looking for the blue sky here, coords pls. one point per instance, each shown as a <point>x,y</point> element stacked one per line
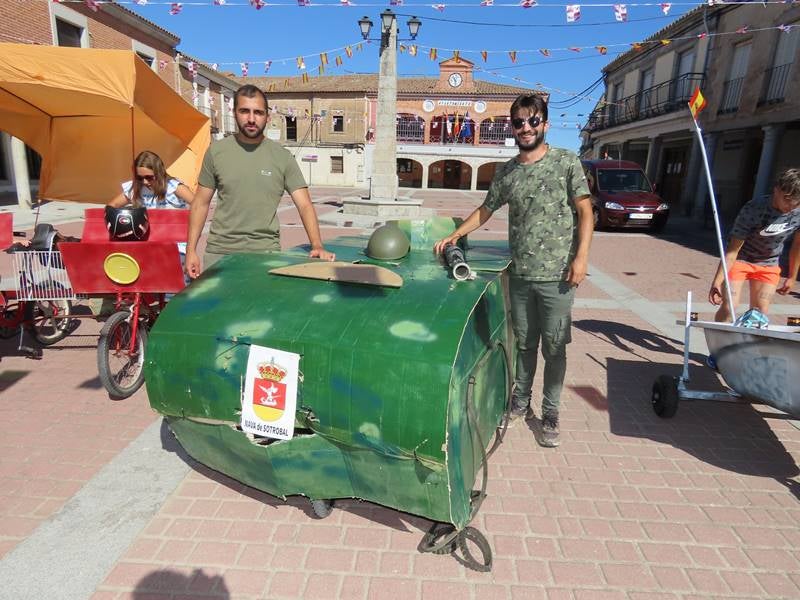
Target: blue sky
<point>280,32</point>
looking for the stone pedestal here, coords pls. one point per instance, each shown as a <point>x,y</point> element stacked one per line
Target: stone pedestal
<point>400,209</point>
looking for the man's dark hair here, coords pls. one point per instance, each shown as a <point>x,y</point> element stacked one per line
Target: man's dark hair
<point>789,183</point>
<point>531,102</point>
<point>249,91</point>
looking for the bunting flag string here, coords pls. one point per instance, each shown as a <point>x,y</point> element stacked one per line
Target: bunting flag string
<point>573,13</point>
<point>665,7</point>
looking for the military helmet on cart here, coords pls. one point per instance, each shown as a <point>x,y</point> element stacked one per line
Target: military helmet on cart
<point>388,242</point>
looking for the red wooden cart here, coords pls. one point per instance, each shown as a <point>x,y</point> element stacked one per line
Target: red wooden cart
<point>138,275</point>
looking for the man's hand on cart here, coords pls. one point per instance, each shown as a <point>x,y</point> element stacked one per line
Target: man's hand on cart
<point>715,295</point>
<point>192,265</point>
<point>318,252</point>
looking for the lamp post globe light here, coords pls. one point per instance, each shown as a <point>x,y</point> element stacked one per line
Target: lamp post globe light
<point>384,160</point>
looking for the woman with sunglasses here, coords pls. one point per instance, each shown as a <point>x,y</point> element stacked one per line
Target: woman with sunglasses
<point>152,187</point>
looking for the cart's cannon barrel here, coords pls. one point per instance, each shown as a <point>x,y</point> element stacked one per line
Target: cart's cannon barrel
<point>457,262</point>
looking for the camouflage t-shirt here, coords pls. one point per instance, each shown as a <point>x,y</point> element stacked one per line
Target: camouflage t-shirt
<point>764,230</point>
<point>542,221</point>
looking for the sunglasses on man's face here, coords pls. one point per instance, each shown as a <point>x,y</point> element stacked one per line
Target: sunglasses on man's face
<point>533,121</point>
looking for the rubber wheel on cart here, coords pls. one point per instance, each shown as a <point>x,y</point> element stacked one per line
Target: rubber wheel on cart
<point>665,396</point>
<point>322,508</point>
<point>46,328</point>
<point>121,371</point>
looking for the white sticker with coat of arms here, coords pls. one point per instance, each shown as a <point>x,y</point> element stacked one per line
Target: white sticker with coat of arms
<point>270,393</point>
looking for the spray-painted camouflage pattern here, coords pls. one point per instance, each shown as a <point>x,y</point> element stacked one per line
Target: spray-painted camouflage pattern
<point>542,222</point>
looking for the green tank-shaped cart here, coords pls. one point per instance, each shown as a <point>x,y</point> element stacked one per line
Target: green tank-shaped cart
<point>403,371</point>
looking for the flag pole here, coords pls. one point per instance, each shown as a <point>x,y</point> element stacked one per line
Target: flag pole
<point>720,243</point>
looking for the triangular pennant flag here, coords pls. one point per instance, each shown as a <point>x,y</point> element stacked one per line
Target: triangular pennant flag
<point>305,77</point>
<point>267,65</point>
<point>338,61</point>
<point>244,66</point>
<point>620,12</point>
<point>349,51</point>
<point>602,49</point>
<point>301,64</point>
<point>432,54</point>
<point>321,69</point>
<point>140,2</point>
<point>573,13</point>
<point>785,28</point>
<point>457,55</point>
<point>665,6</point>
<point>396,2</point>
<point>702,35</point>
<point>439,7</point>
<point>345,3</point>
<point>527,3</point>
<point>575,48</point>
<point>513,56</point>
<point>487,2</point>
<point>323,58</point>
<point>696,103</point>
<point>219,2</point>
<point>484,55</point>
<point>303,2</point>
<point>401,48</point>
<point>412,50</point>
<point>544,51</point>
<point>174,9</point>
<point>258,4</point>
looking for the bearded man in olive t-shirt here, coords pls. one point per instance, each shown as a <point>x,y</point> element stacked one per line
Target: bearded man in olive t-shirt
<point>250,174</point>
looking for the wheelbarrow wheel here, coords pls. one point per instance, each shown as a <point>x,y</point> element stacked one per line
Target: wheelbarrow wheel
<point>665,396</point>
<point>322,508</point>
<point>52,322</point>
<point>121,369</point>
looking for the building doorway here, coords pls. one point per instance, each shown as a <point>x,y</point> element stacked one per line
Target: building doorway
<point>450,175</point>
<point>486,174</point>
<point>409,173</point>
<point>674,174</point>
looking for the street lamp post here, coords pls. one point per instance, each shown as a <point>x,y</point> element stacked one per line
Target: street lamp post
<point>384,161</point>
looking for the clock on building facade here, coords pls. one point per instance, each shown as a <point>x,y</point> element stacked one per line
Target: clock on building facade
<point>455,80</point>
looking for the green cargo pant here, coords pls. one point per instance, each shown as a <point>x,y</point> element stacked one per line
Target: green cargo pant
<point>540,310</point>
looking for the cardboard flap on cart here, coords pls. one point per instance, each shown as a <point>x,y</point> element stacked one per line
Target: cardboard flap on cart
<point>166,225</point>
<point>110,267</point>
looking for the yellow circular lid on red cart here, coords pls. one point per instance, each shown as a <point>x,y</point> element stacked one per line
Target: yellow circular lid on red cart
<point>121,268</point>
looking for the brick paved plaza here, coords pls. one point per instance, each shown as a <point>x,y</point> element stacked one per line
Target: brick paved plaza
<point>97,501</point>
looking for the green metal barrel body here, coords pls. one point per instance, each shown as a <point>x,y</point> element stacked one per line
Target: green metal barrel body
<point>387,374</point>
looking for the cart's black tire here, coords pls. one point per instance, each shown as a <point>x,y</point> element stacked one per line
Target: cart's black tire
<point>120,372</point>
<point>322,508</point>
<point>665,396</point>
<point>48,330</point>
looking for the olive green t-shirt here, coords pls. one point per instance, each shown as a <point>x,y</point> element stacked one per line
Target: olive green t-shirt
<point>250,180</point>
<point>542,219</point>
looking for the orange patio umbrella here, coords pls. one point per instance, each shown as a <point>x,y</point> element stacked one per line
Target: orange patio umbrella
<point>89,112</point>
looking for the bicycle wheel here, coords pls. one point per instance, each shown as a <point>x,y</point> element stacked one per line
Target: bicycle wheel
<point>10,319</point>
<point>51,321</point>
<point>121,371</point>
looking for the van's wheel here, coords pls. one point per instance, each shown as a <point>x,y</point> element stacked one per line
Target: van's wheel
<point>322,508</point>
<point>665,396</point>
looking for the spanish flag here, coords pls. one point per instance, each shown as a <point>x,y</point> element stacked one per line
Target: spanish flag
<point>349,51</point>
<point>696,103</point>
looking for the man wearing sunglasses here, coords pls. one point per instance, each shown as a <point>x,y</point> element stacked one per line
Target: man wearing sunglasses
<point>549,231</point>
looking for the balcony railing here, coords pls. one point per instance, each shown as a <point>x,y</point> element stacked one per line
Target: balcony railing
<point>410,130</point>
<point>660,99</point>
<point>731,96</point>
<point>775,84</point>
